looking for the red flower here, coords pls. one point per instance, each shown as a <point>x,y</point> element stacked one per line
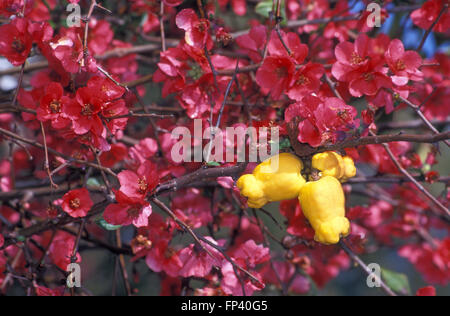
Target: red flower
<point>298,225</point>
<point>10,7</point>
<point>50,108</point>
<point>44,291</point>
<point>105,88</point>
<point>299,51</point>
<point>162,257</point>
<point>129,210</point>
<point>196,29</point>
<point>426,291</point>
<point>253,42</point>
<point>364,73</point>
<point>173,3</point>
<point>146,149</point>
<point>275,75</point>
<point>428,13</point>
<point>61,250</point>
<point>117,154</point>
<point>77,203</point>
<point>197,262</point>
<point>16,41</point>
<point>286,273</point>
<point>100,36</point>
<point>434,264</point>
<point>114,109</point>
<point>377,156</point>
<point>306,81</point>
<point>231,285</point>
<point>322,119</point>
<point>83,110</point>
<point>68,50</point>
<point>192,207</point>
<point>139,184</point>
<point>239,6</point>
<point>403,64</point>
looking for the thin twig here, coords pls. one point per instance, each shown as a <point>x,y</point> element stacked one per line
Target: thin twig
<point>123,266</point>
<point>46,163</point>
<point>414,181</point>
<point>427,33</point>
<point>366,269</point>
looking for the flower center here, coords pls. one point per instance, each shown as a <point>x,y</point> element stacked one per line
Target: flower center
<point>169,253</point>
<point>281,72</point>
<point>55,106</point>
<point>75,203</point>
<point>302,80</point>
<point>356,59</point>
<point>195,72</point>
<point>87,109</point>
<point>133,212</point>
<point>202,26</point>
<point>18,45</point>
<point>143,186</point>
<point>400,65</point>
<point>368,76</point>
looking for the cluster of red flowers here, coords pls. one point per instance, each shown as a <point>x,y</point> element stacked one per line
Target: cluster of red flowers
<point>324,84</point>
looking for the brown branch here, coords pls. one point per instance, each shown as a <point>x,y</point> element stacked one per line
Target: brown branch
<point>203,173</point>
<point>199,238</point>
<point>416,108</point>
<point>19,85</point>
<point>123,266</point>
<point>414,124</point>
<point>54,152</point>
<point>427,33</point>
<point>414,181</point>
<point>304,150</point>
<point>46,163</point>
<point>393,180</point>
<point>51,224</point>
<point>366,269</point>
<point>161,26</point>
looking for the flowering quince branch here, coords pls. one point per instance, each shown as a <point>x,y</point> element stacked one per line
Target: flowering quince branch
<point>123,267</point>
<point>324,78</point>
<point>54,152</point>
<point>210,173</point>
<point>428,32</point>
<point>400,180</point>
<point>414,124</point>
<point>304,151</point>
<point>183,225</point>
<point>415,182</point>
<point>161,25</point>
<point>46,163</point>
<point>366,269</point>
<point>200,239</point>
<point>416,108</point>
<point>50,225</point>
<point>19,84</point>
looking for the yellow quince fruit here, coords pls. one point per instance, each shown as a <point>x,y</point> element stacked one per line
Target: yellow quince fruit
<point>273,180</point>
<point>332,164</point>
<point>323,204</point>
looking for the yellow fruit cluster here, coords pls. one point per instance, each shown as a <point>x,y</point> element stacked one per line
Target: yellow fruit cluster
<point>322,199</point>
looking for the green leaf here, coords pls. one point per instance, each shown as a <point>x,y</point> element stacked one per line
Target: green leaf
<point>213,164</point>
<point>398,282</point>
<point>285,143</point>
<point>93,182</point>
<point>265,7</point>
<point>105,225</point>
